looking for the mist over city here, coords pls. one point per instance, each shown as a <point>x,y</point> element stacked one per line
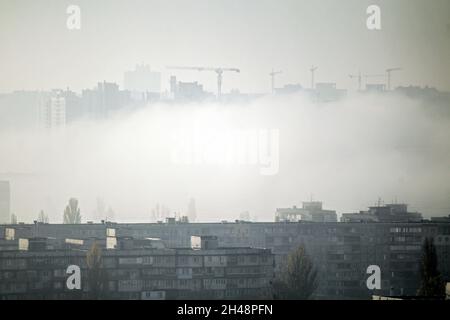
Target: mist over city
<point>225,151</point>
<point>346,153</point>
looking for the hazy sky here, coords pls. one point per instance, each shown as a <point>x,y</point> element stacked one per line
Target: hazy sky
<point>347,153</point>
<point>39,52</point>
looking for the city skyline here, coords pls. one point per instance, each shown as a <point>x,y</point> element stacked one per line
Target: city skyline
<point>225,150</point>
<point>414,36</point>
<point>380,82</point>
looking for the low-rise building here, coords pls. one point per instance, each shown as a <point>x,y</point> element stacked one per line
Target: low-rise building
<point>137,269</point>
<point>384,213</point>
<point>310,211</point>
<point>341,251</point>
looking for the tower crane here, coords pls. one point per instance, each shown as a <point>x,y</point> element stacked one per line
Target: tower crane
<point>272,75</point>
<point>218,71</point>
<point>388,72</point>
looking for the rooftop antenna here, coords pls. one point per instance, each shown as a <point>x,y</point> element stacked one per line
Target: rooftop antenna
<point>272,75</point>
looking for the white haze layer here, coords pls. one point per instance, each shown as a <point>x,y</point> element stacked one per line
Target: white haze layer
<point>346,154</point>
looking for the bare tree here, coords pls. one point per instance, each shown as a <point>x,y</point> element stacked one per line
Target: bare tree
<point>298,279</point>
<point>97,278</point>
<point>43,218</point>
<point>160,212</point>
<point>432,284</point>
<point>72,212</point>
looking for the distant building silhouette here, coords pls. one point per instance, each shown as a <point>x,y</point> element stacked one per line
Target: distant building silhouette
<point>5,207</point>
<point>188,91</point>
<point>142,79</point>
<point>103,101</point>
<point>375,87</point>
<point>52,109</point>
<point>143,84</point>
<point>310,211</point>
<point>74,110</point>
<point>384,213</point>
<point>327,92</point>
<point>289,89</point>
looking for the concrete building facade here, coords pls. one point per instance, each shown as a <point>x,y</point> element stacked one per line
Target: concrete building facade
<point>310,211</point>
<point>342,252</point>
<point>135,270</point>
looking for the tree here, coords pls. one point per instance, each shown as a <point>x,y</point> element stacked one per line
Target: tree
<point>160,212</point>
<point>97,278</point>
<point>72,212</point>
<point>43,218</point>
<point>298,279</point>
<point>431,284</point>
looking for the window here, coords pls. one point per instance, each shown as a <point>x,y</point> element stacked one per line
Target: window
<point>57,285</point>
<point>183,260</point>
<point>134,260</point>
<point>59,273</point>
<point>183,283</point>
<point>46,273</point>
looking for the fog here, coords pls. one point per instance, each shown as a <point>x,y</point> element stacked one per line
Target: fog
<point>346,154</point>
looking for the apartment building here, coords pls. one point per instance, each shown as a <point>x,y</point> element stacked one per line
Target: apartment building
<point>310,211</point>
<point>135,269</point>
<point>342,251</point>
